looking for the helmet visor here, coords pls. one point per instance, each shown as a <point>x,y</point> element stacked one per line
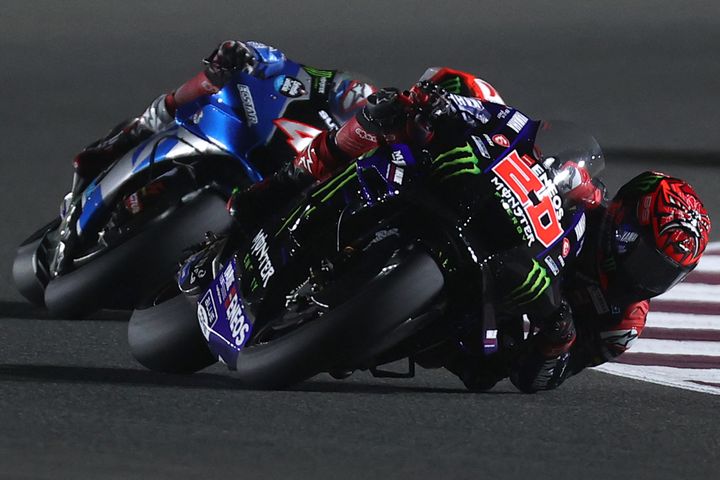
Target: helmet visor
<point>643,269</point>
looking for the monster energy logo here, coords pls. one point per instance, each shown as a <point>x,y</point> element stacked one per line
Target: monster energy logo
<point>452,85</point>
<point>462,157</point>
<point>316,72</point>
<point>534,285</point>
<point>327,191</point>
<point>643,182</point>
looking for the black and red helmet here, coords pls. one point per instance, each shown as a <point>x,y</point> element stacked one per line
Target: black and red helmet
<point>657,228</point>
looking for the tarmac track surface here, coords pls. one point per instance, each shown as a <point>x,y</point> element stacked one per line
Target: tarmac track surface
<point>73,404</point>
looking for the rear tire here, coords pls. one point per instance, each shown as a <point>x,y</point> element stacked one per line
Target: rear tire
<point>379,307</point>
<point>120,277</point>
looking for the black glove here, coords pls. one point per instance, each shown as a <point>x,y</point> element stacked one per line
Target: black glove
<point>229,57</point>
<point>384,114</point>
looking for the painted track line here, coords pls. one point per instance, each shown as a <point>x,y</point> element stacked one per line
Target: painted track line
<point>680,345</point>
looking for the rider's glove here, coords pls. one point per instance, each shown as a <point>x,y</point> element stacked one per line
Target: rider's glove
<point>384,114</point>
<point>229,57</point>
<point>435,111</point>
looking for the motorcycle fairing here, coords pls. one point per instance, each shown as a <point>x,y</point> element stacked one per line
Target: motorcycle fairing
<point>224,320</point>
<point>212,125</point>
<point>162,148</point>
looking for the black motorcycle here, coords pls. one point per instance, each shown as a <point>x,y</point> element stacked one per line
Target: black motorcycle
<point>383,261</point>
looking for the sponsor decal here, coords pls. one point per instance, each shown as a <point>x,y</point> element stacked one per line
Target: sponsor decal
<point>260,251</point>
<point>355,95</point>
<point>517,122</point>
<point>536,282</point>
<point>566,247</point>
<point>207,314</point>
<point>616,342</point>
<point>598,300</point>
<point>451,84</point>
<point>322,85</point>
<point>395,173</point>
<point>321,79</point>
<point>239,326</point>
<point>398,158</point>
<point>458,161</point>
<point>290,86</point>
<point>501,140</point>
<point>531,196</point>
<point>248,104</point>
<point>360,132</point>
<point>471,107</point>
<point>580,228</point>
<point>625,238</point>
<point>561,260</point>
<point>553,266</point>
<point>328,120</point>
<point>643,213</point>
<point>481,146</point>
<point>488,139</point>
<point>503,113</point>
<point>299,134</point>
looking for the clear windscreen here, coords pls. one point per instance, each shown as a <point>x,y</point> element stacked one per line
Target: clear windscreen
<point>560,143</point>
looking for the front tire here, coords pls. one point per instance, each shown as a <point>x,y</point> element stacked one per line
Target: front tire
<point>167,337</point>
<point>120,277</point>
<point>379,307</point>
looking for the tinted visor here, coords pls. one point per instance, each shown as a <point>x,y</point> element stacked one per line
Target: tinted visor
<point>643,269</point>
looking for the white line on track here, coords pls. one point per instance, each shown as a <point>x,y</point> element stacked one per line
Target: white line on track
<point>668,376</point>
<point>682,320</point>
<point>693,292</point>
<point>709,263</point>
<point>676,347</point>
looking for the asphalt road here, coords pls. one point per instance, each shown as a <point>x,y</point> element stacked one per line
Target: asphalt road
<point>642,76</point>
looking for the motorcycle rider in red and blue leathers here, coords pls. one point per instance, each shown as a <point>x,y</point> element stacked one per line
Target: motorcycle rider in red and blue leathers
<point>646,240</point>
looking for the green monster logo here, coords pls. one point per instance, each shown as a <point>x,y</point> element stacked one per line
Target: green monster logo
<point>644,182</point>
<point>534,285</point>
<point>463,157</point>
<point>328,190</point>
<point>452,85</point>
<point>316,72</point>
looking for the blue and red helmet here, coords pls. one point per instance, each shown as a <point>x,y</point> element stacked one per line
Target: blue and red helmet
<point>657,229</point>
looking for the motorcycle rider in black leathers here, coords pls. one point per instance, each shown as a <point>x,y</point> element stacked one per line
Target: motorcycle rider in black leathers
<point>646,240</point>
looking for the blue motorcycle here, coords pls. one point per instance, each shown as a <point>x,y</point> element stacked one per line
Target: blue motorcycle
<point>138,217</point>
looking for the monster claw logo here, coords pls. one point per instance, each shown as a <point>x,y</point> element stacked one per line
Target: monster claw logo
<point>681,224</point>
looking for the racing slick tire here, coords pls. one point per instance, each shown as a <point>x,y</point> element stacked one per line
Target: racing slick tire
<point>377,308</point>
<point>29,273</point>
<point>167,337</point>
<point>120,277</point>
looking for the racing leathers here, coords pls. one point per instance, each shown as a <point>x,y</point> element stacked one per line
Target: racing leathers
<point>573,322</point>
<point>318,99</point>
<point>334,96</point>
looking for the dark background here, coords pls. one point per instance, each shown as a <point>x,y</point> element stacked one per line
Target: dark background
<point>642,76</point>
